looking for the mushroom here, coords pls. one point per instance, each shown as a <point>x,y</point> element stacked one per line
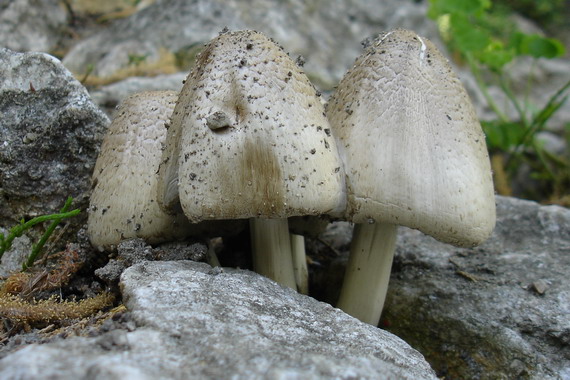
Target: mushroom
<point>300,268</point>
<point>414,155</point>
<point>249,139</point>
<point>123,202</point>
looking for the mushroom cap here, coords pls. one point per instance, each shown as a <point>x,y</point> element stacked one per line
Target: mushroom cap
<point>123,202</point>
<point>413,150</point>
<point>251,137</point>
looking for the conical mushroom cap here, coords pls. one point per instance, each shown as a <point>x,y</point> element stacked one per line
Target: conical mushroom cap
<point>413,149</point>
<point>123,202</point>
<point>249,137</point>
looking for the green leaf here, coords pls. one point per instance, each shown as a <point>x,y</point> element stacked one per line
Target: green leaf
<point>36,248</point>
<point>18,229</point>
<point>539,47</point>
<point>503,135</point>
<point>496,55</point>
<point>441,7</point>
<point>467,36</point>
<point>552,106</point>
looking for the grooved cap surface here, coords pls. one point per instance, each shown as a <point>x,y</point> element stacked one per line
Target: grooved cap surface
<point>249,137</point>
<point>123,203</point>
<point>413,149</point>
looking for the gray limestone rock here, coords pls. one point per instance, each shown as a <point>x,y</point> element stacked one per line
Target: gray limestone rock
<point>134,251</point>
<point>326,33</point>
<point>50,134</point>
<point>497,311</point>
<point>31,25</point>
<point>109,96</point>
<point>203,323</point>
<point>13,258</point>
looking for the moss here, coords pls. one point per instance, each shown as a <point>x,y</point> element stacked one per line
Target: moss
<point>42,312</point>
<point>166,63</point>
<point>19,306</point>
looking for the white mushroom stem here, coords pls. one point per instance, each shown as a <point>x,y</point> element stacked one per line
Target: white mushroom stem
<point>368,271</point>
<point>211,256</point>
<point>300,263</point>
<point>271,248</point>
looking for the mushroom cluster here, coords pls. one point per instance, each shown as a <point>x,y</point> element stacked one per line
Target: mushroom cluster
<point>248,138</point>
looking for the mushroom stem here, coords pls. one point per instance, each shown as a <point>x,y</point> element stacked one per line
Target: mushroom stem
<point>271,249</point>
<point>211,257</point>
<point>300,263</point>
<point>368,271</point>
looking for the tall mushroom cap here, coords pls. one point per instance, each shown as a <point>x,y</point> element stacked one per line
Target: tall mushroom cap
<point>251,137</point>
<point>413,149</point>
<point>123,202</point>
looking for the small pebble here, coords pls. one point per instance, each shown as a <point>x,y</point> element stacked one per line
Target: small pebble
<point>539,286</point>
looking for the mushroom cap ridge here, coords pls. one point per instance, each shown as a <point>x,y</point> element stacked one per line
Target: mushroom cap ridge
<point>123,202</point>
<point>413,150</point>
<point>251,137</point>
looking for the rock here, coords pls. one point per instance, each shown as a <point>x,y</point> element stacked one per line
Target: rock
<point>109,96</point>
<point>134,251</point>
<point>200,323</point>
<point>49,136</point>
<point>129,252</point>
<point>111,272</point>
<point>31,25</point>
<point>181,251</point>
<point>493,311</point>
<point>13,258</point>
<point>116,8</point>
<point>327,34</point>
<point>479,313</point>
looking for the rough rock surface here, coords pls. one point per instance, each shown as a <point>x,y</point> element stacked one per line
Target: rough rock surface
<point>31,25</point>
<point>134,251</point>
<point>13,258</point>
<point>199,322</point>
<point>49,136</point>
<point>108,97</point>
<point>500,310</point>
<point>326,33</point>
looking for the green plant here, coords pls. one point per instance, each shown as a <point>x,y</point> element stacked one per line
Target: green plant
<point>19,229</point>
<point>137,59</point>
<point>549,14</point>
<point>33,298</point>
<point>480,37</point>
